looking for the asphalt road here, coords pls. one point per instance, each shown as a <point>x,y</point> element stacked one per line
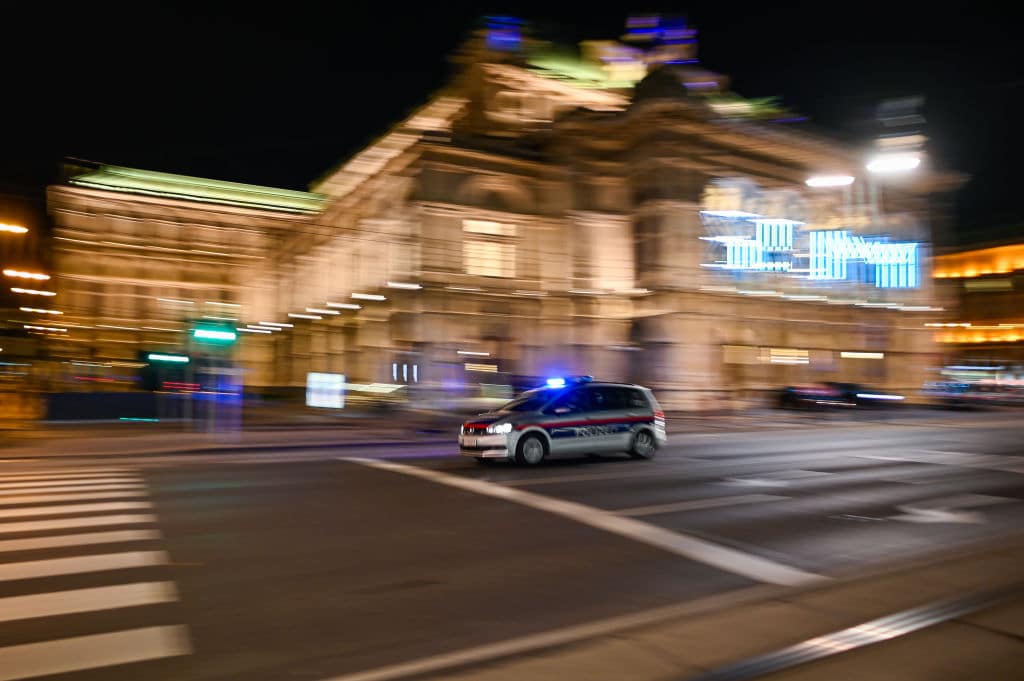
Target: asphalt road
<point>324,565</point>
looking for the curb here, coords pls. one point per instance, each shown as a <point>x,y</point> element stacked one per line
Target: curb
<point>225,449</point>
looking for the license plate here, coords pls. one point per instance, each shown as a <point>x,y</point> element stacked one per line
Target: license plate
<point>469,442</point>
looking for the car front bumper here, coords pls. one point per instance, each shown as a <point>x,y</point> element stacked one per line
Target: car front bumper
<point>485,446</point>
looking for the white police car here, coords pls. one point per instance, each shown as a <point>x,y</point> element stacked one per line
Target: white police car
<point>568,417</point>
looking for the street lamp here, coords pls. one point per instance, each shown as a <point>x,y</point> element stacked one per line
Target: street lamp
<point>12,229</point>
<point>898,162</point>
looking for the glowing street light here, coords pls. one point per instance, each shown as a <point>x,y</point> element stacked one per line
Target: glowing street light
<point>13,229</point>
<point>894,163</point>
<point>829,181</point>
<point>21,274</point>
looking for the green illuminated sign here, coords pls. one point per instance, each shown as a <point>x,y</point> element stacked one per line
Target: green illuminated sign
<point>216,335</point>
<point>160,357</point>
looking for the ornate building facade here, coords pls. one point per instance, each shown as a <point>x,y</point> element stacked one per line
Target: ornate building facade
<point>617,213</point>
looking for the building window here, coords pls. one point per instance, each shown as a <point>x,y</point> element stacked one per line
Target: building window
<point>488,248</point>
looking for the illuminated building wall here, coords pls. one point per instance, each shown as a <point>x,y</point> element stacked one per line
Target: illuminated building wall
<point>983,290</point>
<point>538,216</point>
<point>140,257</point>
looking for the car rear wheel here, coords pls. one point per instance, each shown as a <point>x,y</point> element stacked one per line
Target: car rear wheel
<point>531,450</point>
<point>643,446</point>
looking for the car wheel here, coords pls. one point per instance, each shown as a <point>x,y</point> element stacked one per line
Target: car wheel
<point>643,446</point>
<point>531,450</point>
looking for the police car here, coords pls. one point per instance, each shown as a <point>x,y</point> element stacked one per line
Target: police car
<point>568,417</point>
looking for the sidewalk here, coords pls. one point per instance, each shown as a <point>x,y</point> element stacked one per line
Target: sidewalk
<point>988,644</point>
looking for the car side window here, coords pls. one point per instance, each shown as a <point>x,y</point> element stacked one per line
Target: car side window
<point>635,399</point>
<point>570,402</point>
<point>606,399</point>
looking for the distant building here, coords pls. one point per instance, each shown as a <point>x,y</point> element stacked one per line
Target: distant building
<point>983,291</point>
<point>614,211</point>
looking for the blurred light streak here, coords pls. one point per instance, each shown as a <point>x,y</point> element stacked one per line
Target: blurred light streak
<point>296,315</point>
<point>368,296</point>
<point>280,324</point>
<point>319,310</point>
<point>829,181</point>
<point>894,163</point>
<point>344,306</point>
<point>238,328</point>
<point>13,229</point>
<point>22,274</point>
<point>33,292</point>
<point>39,310</point>
<point>403,285</point>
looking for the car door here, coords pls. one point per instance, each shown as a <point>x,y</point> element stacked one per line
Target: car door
<point>562,421</point>
<point>608,423</point>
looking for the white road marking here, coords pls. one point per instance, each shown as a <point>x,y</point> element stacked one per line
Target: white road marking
<point>992,462</point>
<point>556,637</point>
<point>79,564</point>
<point>86,600</point>
<point>72,508</point>
<point>82,539</point>
<point>70,496</point>
<point>699,504</point>
<point>721,557</point>
<point>777,479</point>
<point>90,652</point>
<point>67,474</point>
<point>71,485</point>
<point>65,523</point>
<point>954,509</point>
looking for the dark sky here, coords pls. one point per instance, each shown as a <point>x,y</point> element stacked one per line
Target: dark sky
<point>278,95</point>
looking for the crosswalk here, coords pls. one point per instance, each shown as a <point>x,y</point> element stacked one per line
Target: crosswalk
<point>79,550</point>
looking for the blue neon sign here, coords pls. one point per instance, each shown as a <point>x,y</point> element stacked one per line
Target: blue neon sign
<point>832,255</point>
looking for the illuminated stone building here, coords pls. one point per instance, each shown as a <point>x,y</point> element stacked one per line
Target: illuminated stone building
<point>615,212</point>
<point>141,257</point>
<point>982,290</point>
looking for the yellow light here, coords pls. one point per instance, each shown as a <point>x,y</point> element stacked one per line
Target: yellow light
<point>13,229</point>
<point>39,310</point>
<point>26,275</point>
<point>32,291</point>
<point>485,368</point>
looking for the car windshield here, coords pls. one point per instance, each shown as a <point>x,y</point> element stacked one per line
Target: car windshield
<point>528,401</point>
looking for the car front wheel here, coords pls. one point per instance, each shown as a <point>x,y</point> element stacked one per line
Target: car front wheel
<point>531,450</point>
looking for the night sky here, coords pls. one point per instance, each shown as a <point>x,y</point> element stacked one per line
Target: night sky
<point>277,96</point>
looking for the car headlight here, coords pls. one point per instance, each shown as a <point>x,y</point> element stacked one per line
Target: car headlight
<point>500,429</point>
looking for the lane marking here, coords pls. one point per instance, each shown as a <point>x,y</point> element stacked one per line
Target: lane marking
<point>953,509</point>
<point>83,539</point>
<point>91,652</point>
<point>699,504</point>
<point>71,496</point>
<point>775,479</point>
<point>86,600</point>
<point>992,462</point>
<point>72,508</point>
<point>70,485</point>
<point>556,637</point>
<point>721,557</point>
<point>59,474</point>
<point>64,523</point>
<point>79,564</point>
